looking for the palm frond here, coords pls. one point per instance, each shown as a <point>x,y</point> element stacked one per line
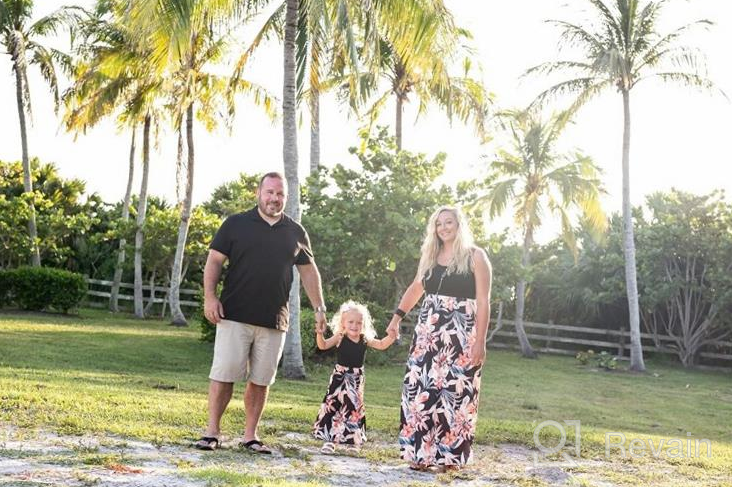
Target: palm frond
<point>272,26</point>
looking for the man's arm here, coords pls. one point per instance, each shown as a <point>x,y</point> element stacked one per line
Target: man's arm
<point>310,277</point>
<point>212,307</point>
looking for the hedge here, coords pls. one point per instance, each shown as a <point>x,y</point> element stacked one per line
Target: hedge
<point>42,288</point>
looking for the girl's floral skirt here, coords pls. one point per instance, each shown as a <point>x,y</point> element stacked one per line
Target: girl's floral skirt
<point>342,417</point>
<point>440,392</point>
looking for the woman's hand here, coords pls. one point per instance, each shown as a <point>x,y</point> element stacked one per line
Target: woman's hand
<point>477,353</point>
<point>393,328</point>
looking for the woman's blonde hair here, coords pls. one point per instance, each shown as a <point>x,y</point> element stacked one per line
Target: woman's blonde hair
<point>462,247</point>
<point>336,323</point>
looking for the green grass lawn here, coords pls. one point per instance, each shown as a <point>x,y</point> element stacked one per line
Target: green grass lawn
<point>99,373</point>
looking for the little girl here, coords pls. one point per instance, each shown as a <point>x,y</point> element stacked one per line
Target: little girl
<point>342,417</point>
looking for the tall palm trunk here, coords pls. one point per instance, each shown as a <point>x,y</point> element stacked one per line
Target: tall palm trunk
<point>114,295</point>
<point>177,317</point>
<point>179,169</point>
<point>292,356</point>
<point>399,113</point>
<point>27,174</point>
<point>631,282</point>
<point>314,130</point>
<point>141,211</point>
<point>526,349</point>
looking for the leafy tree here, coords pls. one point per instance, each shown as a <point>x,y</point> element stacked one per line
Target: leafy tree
<point>158,253</point>
<point>620,47</point>
<point>67,219</point>
<point>233,196</point>
<point>367,224</point>
<point>685,265</point>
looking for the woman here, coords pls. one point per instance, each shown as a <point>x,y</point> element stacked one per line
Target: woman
<point>442,381</point>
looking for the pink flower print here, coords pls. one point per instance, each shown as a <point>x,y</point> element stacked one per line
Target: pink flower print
<point>463,360</point>
<point>448,439</point>
<point>413,375</point>
<point>463,420</point>
<point>440,368</point>
<point>355,416</point>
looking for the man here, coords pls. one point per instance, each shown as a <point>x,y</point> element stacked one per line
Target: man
<point>251,318</point>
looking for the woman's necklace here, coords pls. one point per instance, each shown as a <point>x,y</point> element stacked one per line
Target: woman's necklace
<point>442,276</point>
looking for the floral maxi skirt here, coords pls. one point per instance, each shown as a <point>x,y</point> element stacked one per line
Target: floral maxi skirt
<point>439,408</point>
<point>342,417</point>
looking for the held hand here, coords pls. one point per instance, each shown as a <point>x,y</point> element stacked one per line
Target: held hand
<point>477,353</point>
<point>213,310</point>
<point>320,322</point>
<point>393,327</point>
<point>319,327</point>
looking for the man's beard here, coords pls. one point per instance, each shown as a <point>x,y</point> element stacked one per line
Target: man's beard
<point>271,209</point>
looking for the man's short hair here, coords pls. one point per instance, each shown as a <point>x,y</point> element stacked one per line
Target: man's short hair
<point>273,174</point>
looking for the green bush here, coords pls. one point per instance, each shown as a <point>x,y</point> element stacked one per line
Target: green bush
<point>43,288</point>
<point>602,360</point>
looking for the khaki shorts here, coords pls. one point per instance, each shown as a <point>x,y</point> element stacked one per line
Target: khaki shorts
<point>246,352</point>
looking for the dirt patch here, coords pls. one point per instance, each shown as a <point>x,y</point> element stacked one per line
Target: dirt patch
<point>42,458</point>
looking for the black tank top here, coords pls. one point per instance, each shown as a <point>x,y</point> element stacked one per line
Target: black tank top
<point>456,285</point>
<point>351,354</point>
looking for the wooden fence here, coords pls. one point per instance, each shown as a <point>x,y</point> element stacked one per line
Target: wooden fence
<point>544,337</point>
<point>568,340</point>
<point>100,291</point>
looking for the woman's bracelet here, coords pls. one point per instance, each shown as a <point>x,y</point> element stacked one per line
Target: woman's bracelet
<point>400,313</point>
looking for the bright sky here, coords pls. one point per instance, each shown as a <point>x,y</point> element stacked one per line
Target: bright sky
<point>680,138</point>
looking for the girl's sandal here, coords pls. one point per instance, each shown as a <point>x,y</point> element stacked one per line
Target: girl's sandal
<point>328,448</point>
<point>353,449</point>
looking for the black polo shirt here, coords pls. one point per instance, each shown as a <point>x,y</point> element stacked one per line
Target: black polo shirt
<point>259,276</point>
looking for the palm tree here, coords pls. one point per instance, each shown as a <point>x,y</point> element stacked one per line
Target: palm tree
<point>93,97</point>
<point>622,47</point>
<point>532,177</point>
<point>188,33</point>
<point>416,58</point>
<point>111,78</point>
<point>19,38</point>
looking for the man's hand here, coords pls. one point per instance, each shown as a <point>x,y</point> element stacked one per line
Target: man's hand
<point>213,310</point>
<point>320,321</point>
<point>319,326</point>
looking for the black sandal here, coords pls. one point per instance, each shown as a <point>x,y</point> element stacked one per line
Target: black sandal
<point>256,446</point>
<point>208,443</point>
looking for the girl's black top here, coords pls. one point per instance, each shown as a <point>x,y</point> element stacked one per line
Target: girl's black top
<point>351,354</point>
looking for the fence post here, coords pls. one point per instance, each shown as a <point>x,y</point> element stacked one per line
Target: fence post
<point>621,342</point>
<point>550,334</point>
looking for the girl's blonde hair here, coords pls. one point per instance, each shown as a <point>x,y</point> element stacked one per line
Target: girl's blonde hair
<point>462,247</point>
<point>336,323</point>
